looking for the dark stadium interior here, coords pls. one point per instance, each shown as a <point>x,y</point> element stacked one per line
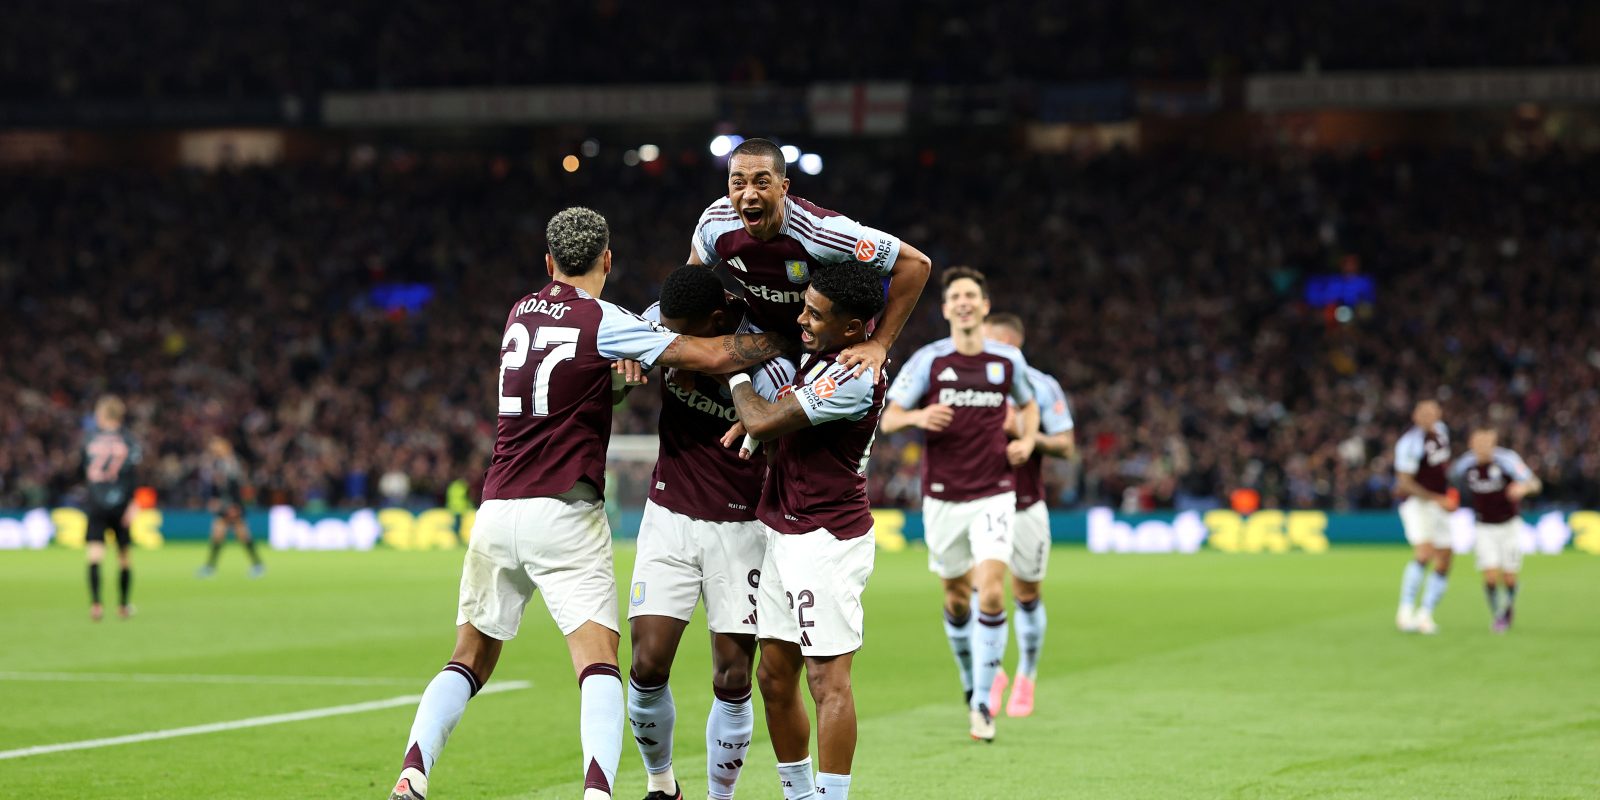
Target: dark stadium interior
<point>239,48</point>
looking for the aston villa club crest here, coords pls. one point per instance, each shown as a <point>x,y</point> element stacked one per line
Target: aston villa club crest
<point>637,595</point>
<point>995,372</point>
<point>798,271</point>
<point>555,290</point>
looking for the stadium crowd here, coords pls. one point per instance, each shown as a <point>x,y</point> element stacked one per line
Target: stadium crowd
<point>235,49</point>
<point>1165,291</point>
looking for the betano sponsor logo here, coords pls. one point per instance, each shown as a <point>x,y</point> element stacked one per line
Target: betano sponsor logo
<point>772,295</point>
<point>971,398</point>
<point>699,402</point>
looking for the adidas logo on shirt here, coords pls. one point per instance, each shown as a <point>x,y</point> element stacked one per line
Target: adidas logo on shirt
<point>949,374</point>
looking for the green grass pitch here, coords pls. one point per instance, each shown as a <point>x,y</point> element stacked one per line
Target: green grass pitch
<point>1163,677</point>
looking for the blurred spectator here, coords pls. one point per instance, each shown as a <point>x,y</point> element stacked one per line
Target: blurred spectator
<point>1163,290</point>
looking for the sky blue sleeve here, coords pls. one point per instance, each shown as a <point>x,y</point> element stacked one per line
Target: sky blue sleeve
<point>1513,465</point>
<point>1021,387</point>
<point>770,378</point>
<point>911,384</point>
<point>1054,415</point>
<point>836,395</point>
<point>624,334</point>
<point>1458,470</point>
<point>1408,454</point>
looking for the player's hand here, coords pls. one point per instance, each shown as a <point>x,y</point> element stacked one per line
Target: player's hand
<point>862,356</point>
<point>632,372</point>
<point>734,436</point>
<point>936,417</point>
<point>1452,500</point>
<point>1019,451</point>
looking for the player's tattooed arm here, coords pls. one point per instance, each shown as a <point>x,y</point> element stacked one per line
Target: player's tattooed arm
<point>723,354</point>
<point>764,420</point>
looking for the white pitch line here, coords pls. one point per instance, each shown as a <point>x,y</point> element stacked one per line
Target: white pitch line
<point>158,677</point>
<point>252,722</point>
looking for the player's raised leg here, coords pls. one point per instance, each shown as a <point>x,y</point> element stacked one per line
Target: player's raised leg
<point>441,707</point>
<point>601,715</point>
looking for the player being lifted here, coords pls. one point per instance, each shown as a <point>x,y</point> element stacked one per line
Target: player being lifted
<point>699,539</point>
<point>1421,457</point>
<point>223,479</point>
<point>772,242</point>
<point>1030,553</point>
<point>543,524</point>
<point>1497,480</point>
<point>821,548</point>
<point>109,457</point>
<point>969,501</point>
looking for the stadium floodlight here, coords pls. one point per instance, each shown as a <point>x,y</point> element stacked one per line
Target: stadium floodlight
<point>721,146</point>
<point>649,152</point>
<point>591,148</point>
<point>791,153</point>
<point>570,163</point>
<point>811,164</point>
<point>631,158</point>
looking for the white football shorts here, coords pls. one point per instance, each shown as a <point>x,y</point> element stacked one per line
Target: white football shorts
<point>959,535</point>
<point>1425,522</point>
<point>682,560</point>
<point>1498,546</point>
<point>1030,554</point>
<point>811,587</point>
<point>560,546</point>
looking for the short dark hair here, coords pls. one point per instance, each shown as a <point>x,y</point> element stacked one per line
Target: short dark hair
<point>1007,319</point>
<point>692,292</point>
<point>953,274</point>
<point>762,148</point>
<point>856,291</point>
<point>577,237</point>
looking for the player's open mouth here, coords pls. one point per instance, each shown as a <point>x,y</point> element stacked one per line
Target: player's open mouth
<point>806,337</point>
<point>753,214</point>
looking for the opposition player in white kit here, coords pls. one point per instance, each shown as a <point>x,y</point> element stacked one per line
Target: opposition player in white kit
<point>956,389</point>
<point>771,242</point>
<point>543,524</point>
<point>699,539</point>
<point>1421,457</point>
<point>1030,552</point>
<point>1496,480</point>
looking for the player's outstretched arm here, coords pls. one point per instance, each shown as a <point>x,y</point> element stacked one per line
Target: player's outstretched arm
<point>1060,445</point>
<point>906,279</point>
<point>897,418</point>
<point>723,354</point>
<point>765,420</point>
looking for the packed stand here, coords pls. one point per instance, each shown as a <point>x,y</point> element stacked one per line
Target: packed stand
<point>235,49</point>
<point>1164,292</point>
